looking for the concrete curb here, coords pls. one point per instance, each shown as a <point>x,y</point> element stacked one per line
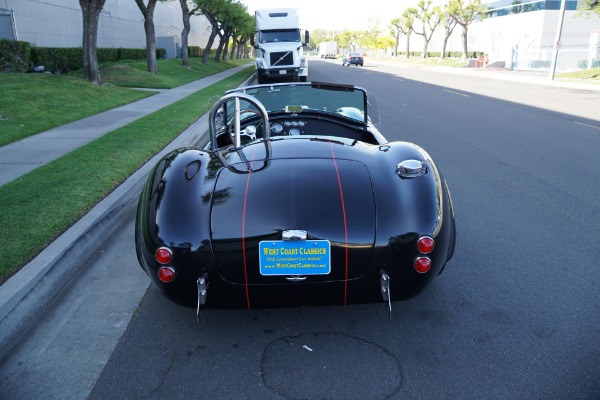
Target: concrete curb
<point>27,293</point>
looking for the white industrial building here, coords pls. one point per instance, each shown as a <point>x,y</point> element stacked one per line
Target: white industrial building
<point>59,23</point>
<point>521,34</point>
<point>524,35</point>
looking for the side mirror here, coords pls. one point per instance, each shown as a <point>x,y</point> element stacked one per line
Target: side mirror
<point>252,41</point>
<point>306,38</point>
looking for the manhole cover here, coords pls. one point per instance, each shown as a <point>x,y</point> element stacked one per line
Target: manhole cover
<point>329,365</point>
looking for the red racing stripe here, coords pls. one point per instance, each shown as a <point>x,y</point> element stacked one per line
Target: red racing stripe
<point>345,222</point>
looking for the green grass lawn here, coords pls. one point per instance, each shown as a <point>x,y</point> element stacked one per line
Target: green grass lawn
<point>587,75</point>
<point>33,103</point>
<point>170,73</point>
<point>42,204</point>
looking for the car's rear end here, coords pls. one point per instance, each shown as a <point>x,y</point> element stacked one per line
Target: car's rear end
<point>294,225</point>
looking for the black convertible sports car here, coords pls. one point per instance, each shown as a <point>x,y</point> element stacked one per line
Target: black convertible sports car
<point>295,199</point>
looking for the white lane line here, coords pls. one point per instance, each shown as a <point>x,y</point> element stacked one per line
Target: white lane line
<point>460,94</point>
<point>588,125</point>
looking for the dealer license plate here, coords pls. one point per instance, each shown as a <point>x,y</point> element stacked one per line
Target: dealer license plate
<point>295,257</point>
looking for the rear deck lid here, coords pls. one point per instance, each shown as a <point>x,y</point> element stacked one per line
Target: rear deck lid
<point>331,200</point>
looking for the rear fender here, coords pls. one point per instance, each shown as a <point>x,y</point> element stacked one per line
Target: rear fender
<point>408,208</point>
<point>174,210</point>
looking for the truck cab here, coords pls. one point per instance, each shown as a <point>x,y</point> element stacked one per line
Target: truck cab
<point>279,45</point>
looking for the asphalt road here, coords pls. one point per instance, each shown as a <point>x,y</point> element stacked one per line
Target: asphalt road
<point>516,314</point>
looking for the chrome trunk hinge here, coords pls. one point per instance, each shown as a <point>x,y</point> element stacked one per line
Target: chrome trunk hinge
<point>384,283</point>
<point>202,287</point>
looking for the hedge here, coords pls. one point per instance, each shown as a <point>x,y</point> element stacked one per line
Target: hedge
<point>15,56</point>
<point>194,51</point>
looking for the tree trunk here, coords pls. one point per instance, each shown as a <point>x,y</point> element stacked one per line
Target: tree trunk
<point>408,46</point>
<point>234,45</point>
<point>185,33</point>
<point>211,40</point>
<point>465,36</point>
<point>219,48</point>
<point>448,32</point>
<point>148,13</point>
<point>150,44</point>
<point>90,10</point>
<point>444,44</point>
<point>225,49</point>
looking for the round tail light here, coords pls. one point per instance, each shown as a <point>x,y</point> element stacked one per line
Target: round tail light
<point>166,274</point>
<point>425,245</point>
<point>422,264</point>
<point>163,255</point>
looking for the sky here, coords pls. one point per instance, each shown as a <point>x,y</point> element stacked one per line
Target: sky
<point>336,14</point>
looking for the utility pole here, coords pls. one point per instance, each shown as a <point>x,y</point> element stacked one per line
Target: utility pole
<point>557,43</point>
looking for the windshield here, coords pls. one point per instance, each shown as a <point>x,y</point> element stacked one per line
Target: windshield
<point>280,35</point>
<point>344,100</point>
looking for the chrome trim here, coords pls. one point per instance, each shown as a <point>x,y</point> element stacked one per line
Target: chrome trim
<point>295,278</point>
<point>409,169</point>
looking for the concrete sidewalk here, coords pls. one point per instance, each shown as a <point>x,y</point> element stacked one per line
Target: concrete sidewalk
<point>19,158</point>
<point>25,296</point>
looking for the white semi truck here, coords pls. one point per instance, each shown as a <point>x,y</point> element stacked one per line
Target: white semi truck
<point>279,45</point>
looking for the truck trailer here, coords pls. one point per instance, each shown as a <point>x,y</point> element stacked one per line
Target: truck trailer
<point>279,45</point>
<point>328,49</point>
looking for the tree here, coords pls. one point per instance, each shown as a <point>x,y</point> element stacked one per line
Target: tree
<point>405,26</point>
<point>589,8</point>
<point>148,13</point>
<point>187,12</point>
<point>356,39</point>
<point>90,10</point>
<point>429,17</point>
<point>449,23</point>
<point>396,31</point>
<point>343,39</point>
<point>384,42</point>
<point>211,9</point>
<point>230,18</point>
<point>318,36</point>
<point>517,7</point>
<point>370,37</point>
<point>465,12</point>
<point>242,35</point>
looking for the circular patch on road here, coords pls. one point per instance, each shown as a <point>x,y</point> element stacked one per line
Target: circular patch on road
<point>330,365</point>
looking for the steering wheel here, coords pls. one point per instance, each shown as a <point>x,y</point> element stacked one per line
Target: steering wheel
<point>249,131</point>
<point>235,98</point>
